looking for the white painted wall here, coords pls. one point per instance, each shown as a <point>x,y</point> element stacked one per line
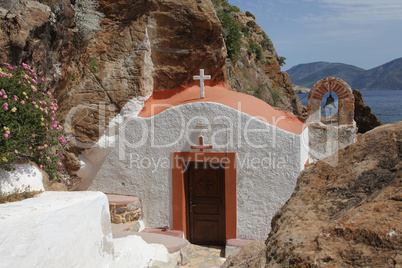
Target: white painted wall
<point>56,229</point>
<point>138,161</point>
<point>23,176</point>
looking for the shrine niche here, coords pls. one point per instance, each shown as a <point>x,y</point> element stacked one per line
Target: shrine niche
<point>346,100</point>
<point>329,134</point>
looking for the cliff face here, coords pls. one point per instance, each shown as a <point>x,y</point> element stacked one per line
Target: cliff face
<point>142,46</point>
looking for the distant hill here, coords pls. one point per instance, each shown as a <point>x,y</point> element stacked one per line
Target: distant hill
<point>308,74</point>
<point>386,76</point>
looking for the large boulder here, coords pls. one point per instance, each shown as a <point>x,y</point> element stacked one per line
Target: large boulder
<point>365,119</point>
<point>346,215</point>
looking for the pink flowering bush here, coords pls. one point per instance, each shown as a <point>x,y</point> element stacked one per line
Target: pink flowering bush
<point>28,129</point>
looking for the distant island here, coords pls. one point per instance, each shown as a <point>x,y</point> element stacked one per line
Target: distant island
<point>384,77</point>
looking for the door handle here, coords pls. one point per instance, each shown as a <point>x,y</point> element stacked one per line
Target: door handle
<point>191,208</point>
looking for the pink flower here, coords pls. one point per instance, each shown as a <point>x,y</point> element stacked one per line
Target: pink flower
<point>15,98</point>
<point>25,66</point>
<point>60,164</point>
<point>19,167</point>
<point>62,140</point>
<point>30,148</point>
<point>4,96</point>
<point>22,102</point>
<point>33,88</point>
<point>42,79</point>
<point>6,135</point>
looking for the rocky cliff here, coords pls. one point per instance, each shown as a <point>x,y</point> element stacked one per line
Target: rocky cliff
<point>253,65</point>
<point>348,215</point>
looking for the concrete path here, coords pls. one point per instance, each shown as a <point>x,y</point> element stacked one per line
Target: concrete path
<point>205,257</point>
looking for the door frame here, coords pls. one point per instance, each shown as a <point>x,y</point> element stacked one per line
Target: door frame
<point>179,160</point>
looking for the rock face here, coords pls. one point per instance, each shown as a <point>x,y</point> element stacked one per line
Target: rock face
<point>251,255</point>
<point>31,33</point>
<point>365,119</point>
<point>348,215</point>
<point>154,45</point>
<point>260,76</point>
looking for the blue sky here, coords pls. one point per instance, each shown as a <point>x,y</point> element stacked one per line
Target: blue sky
<point>364,33</point>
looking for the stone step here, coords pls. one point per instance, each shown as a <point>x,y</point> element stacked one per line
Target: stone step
<point>122,200</point>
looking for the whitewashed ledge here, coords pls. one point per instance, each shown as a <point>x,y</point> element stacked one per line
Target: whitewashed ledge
<point>57,229</point>
<point>70,229</point>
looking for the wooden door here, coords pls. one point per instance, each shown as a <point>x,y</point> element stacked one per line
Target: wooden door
<point>206,203</point>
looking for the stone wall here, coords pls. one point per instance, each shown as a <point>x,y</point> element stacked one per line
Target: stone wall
<point>126,213</point>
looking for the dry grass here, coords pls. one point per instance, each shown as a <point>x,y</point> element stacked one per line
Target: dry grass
<point>18,195</point>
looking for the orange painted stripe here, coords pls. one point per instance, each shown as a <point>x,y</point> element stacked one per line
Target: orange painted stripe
<point>219,93</point>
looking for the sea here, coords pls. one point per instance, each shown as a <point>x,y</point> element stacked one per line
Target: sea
<point>385,104</point>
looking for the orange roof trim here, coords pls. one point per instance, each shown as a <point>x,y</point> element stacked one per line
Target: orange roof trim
<point>219,93</point>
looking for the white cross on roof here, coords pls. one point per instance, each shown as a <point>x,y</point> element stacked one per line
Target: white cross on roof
<point>202,77</point>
